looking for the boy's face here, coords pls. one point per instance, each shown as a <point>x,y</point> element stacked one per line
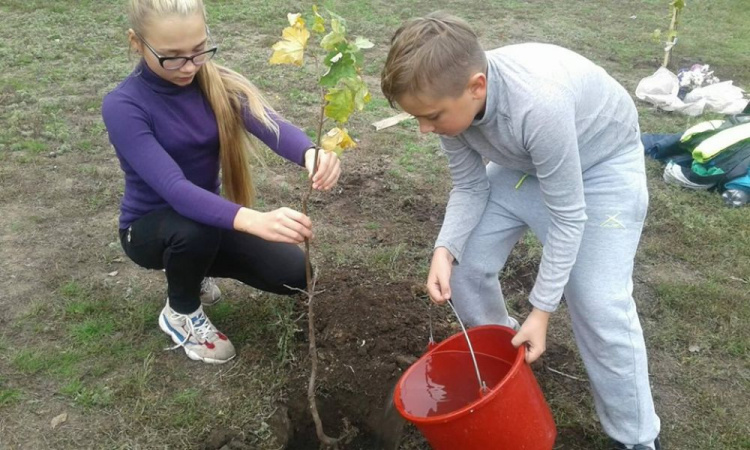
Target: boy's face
<point>449,116</point>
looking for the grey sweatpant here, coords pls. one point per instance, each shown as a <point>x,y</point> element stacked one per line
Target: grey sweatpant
<point>598,293</point>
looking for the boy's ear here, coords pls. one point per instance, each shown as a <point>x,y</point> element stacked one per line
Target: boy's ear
<point>478,85</point>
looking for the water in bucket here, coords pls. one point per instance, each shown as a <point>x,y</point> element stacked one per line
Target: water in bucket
<point>443,384</point>
<point>440,395</point>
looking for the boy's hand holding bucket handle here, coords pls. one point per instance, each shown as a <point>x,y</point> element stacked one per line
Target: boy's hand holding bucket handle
<point>438,281</point>
<point>533,333</point>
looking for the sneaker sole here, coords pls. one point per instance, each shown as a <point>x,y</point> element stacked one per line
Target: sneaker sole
<point>191,354</point>
<point>208,302</point>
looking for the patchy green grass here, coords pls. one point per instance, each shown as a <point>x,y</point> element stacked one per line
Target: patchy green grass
<point>10,396</point>
<point>87,396</point>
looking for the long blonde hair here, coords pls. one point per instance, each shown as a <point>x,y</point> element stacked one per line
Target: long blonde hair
<point>227,93</point>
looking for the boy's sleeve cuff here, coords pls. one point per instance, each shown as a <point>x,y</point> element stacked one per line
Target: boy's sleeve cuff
<point>451,248</point>
<point>544,306</point>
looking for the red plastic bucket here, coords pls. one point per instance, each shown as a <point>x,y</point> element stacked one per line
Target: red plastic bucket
<point>440,394</point>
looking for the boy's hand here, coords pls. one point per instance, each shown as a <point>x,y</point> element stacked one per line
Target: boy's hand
<point>329,169</point>
<point>438,281</point>
<point>533,333</point>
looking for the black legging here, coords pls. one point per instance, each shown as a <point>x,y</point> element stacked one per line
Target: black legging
<point>190,251</point>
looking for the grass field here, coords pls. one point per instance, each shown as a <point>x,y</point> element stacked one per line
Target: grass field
<point>78,331</point>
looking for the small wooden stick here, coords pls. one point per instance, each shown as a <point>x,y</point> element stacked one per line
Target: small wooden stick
<point>391,121</point>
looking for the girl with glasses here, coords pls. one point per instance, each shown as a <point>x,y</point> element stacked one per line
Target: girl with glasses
<point>179,124</point>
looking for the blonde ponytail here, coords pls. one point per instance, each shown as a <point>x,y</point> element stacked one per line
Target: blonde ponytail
<point>228,93</point>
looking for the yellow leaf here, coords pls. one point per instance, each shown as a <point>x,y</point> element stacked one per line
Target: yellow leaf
<point>337,140</point>
<point>331,139</point>
<point>346,141</point>
<point>290,49</point>
<point>296,20</point>
<point>319,25</point>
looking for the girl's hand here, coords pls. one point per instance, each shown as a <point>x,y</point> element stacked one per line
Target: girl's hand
<point>438,281</point>
<point>533,333</point>
<point>329,169</point>
<point>280,225</point>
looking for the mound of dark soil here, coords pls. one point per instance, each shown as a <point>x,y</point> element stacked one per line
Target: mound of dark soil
<point>367,335</point>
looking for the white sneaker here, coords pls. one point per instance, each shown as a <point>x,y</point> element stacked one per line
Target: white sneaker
<point>513,324</point>
<point>210,292</point>
<point>197,335</point>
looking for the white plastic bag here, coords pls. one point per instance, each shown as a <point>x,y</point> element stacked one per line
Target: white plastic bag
<point>661,88</point>
<point>722,98</point>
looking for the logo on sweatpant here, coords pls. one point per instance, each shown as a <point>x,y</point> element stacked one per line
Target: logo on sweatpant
<point>612,222</point>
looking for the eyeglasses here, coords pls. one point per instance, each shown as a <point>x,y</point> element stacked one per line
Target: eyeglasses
<point>176,62</point>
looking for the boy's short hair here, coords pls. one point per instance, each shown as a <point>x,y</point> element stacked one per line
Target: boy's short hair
<point>435,54</point>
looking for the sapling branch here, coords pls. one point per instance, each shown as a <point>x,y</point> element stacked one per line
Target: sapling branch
<point>311,280</point>
<point>348,92</point>
<point>313,350</point>
<point>306,198</point>
<point>676,7</point>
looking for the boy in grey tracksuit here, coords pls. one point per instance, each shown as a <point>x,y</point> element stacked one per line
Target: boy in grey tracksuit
<point>565,160</point>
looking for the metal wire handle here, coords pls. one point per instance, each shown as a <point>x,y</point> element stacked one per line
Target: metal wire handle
<point>429,312</point>
<point>482,384</point>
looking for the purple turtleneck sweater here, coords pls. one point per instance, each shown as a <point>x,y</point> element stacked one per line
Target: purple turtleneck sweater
<point>167,141</point>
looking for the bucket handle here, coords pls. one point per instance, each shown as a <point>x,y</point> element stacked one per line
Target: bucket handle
<point>482,385</point>
<point>431,342</point>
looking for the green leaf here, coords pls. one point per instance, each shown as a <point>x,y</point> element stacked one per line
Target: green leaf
<point>332,39</point>
<point>340,104</point>
<point>359,58</point>
<point>338,24</point>
<point>341,65</point>
<point>349,50</point>
<point>337,34</point>
<point>363,43</point>
<point>360,93</point>
<point>332,56</point>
